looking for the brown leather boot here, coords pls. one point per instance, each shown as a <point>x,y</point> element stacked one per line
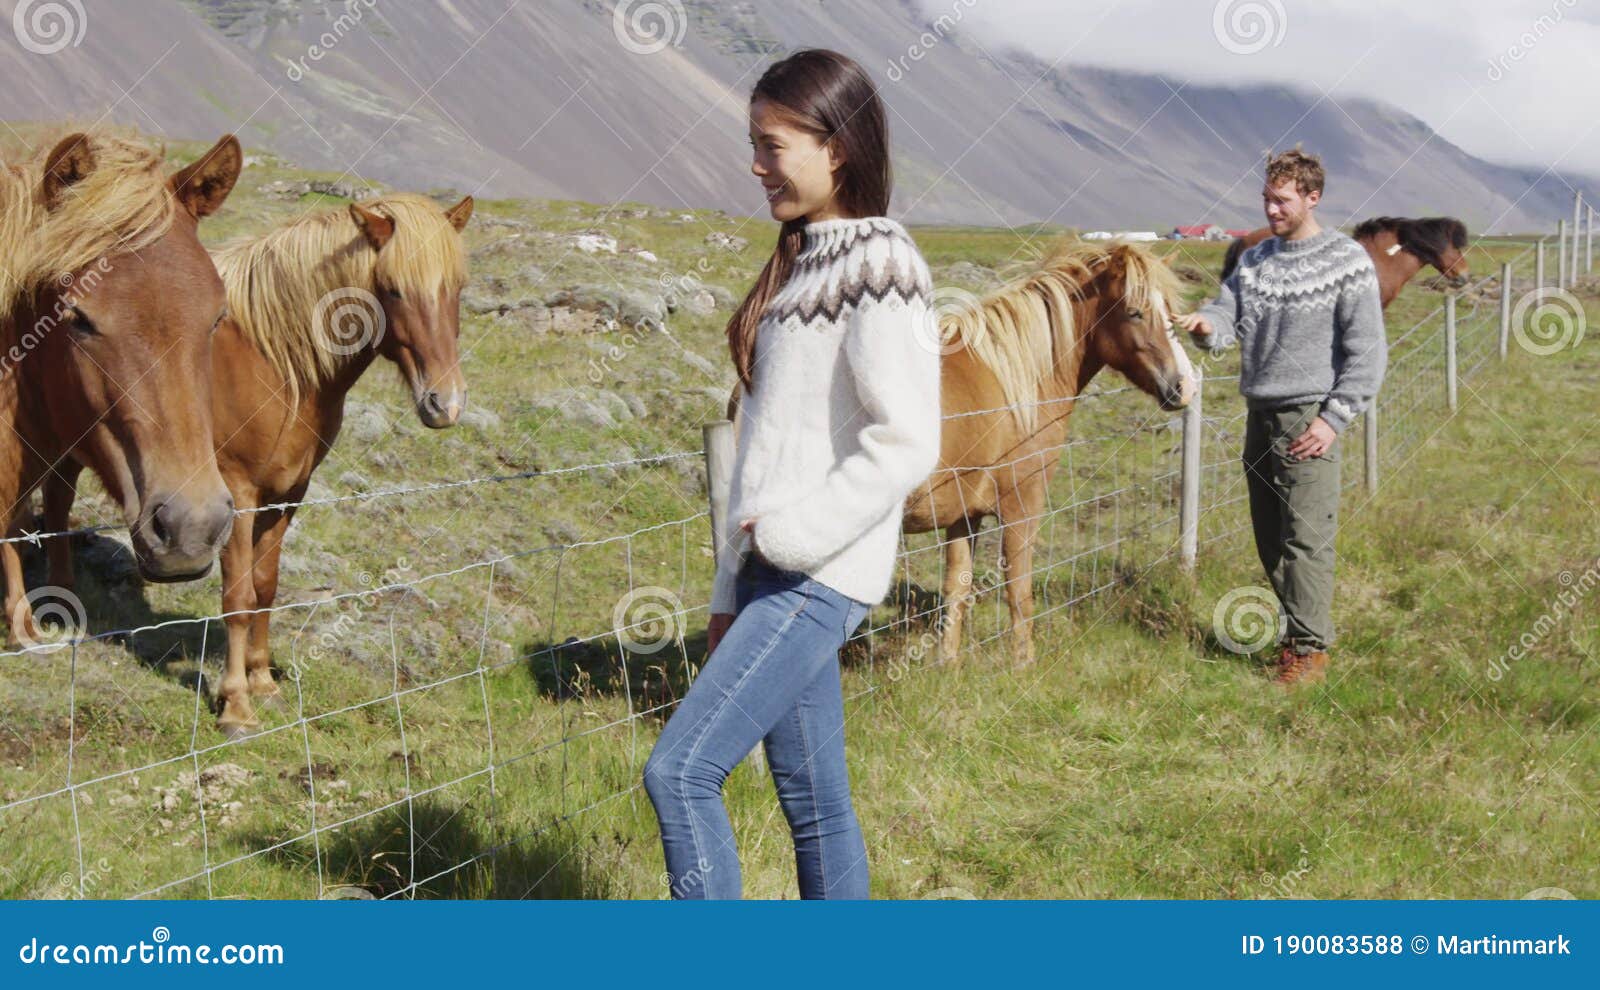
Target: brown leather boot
<point>1294,669</point>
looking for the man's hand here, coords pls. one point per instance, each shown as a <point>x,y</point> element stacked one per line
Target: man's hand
<point>716,629</point>
<point>1194,323</point>
<point>1314,442</point>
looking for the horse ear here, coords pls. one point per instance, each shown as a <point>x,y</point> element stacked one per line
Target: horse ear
<point>460,213</point>
<point>68,163</point>
<point>203,186</point>
<point>376,227</point>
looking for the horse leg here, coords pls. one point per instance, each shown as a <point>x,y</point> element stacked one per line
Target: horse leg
<point>960,539</point>
<point>236,716</point>
<point>1016,547</point>
<point>18,610</point>
<point>258,664</point>
<point>60,491</point>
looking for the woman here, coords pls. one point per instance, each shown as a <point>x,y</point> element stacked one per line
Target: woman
<point>839,421</point>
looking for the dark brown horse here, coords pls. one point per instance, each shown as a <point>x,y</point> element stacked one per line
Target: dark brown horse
<point>1399,248</point>
<point>310,307</point>
<point>106,318</point>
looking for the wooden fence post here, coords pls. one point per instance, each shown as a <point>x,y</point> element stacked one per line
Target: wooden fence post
<point>1450,349</point>
<point>1189,508</point>
<point>1505,308</point>
<point>1561,254</point>
<point>1369,443</point>
<point>1538,269</point>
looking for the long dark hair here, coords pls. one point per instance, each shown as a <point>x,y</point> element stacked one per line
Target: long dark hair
<point>829,95</point>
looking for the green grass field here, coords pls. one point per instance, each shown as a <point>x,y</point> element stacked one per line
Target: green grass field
<point>471,729</point>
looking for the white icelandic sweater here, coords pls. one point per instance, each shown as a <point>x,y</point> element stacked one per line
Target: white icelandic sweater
<point>842,422</point>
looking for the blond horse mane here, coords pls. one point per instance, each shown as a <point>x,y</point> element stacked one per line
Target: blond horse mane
<point>1025,332</point>
<point>123,204</point>
<point>279,284</point>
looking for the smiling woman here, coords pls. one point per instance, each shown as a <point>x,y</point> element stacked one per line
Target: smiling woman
<point>107,330</point>
<point>838,421</point>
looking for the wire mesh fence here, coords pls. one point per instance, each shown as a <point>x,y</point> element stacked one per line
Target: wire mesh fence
<point>414,754</point>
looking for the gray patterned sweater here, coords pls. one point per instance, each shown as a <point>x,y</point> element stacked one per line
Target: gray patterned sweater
<point>1309,323</point>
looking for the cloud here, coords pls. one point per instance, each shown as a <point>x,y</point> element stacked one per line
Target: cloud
<point>1510,81</point>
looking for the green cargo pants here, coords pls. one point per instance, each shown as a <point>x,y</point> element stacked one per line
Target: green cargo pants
<point>1294,509</point>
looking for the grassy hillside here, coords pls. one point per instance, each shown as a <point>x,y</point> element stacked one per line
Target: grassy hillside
<point>471,727</point>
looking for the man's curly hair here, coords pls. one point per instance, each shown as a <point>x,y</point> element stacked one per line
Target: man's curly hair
<point>1305,169</point>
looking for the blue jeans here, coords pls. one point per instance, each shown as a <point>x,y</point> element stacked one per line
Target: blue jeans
<point>774,676</point>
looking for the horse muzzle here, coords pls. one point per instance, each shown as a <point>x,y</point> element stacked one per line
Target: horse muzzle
<point>176,539</point>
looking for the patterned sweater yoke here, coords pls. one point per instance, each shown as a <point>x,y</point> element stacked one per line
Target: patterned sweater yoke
<point>842,421</point>
<point>1309,322</point>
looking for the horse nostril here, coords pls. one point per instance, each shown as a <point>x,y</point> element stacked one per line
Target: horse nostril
<point>159,527</point>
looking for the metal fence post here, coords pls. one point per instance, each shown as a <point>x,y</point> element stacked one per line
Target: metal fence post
<point>1189,508</point>
<point>1588,248</point>
<point>1561,254</point>
<point>1450,349</point>
<point>1369,444</point>
<point>718,438</point>
<point>1505,308</point>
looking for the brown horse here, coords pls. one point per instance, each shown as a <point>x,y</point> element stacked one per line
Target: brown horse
<point>310,307</point>
<point>106,316</point>
<point>1399,248</point>
<point>1013,365</point>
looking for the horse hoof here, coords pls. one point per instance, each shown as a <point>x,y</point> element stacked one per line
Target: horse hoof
<point>234,731</point>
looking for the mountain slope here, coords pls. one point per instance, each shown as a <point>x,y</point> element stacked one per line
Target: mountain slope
<point>555,100</point>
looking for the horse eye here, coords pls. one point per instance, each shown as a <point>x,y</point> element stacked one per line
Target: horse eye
<point>1135,314</point>
<point>81,324</point>
<point>393,294</point>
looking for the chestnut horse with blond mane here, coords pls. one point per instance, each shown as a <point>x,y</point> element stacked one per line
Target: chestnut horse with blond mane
<point>1013,366</point>
<point>1399,248</point>
<point>311,305</point>
<point>107,306</point>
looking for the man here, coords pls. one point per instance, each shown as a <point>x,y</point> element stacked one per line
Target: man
<point>1304,307</point>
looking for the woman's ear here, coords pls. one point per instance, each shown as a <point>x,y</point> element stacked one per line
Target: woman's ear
<point>835,156</point>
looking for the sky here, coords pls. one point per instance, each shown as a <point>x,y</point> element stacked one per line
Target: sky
<point>1507,80</point>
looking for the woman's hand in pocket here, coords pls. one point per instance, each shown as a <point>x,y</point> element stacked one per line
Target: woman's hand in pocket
<point>716,629</point>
